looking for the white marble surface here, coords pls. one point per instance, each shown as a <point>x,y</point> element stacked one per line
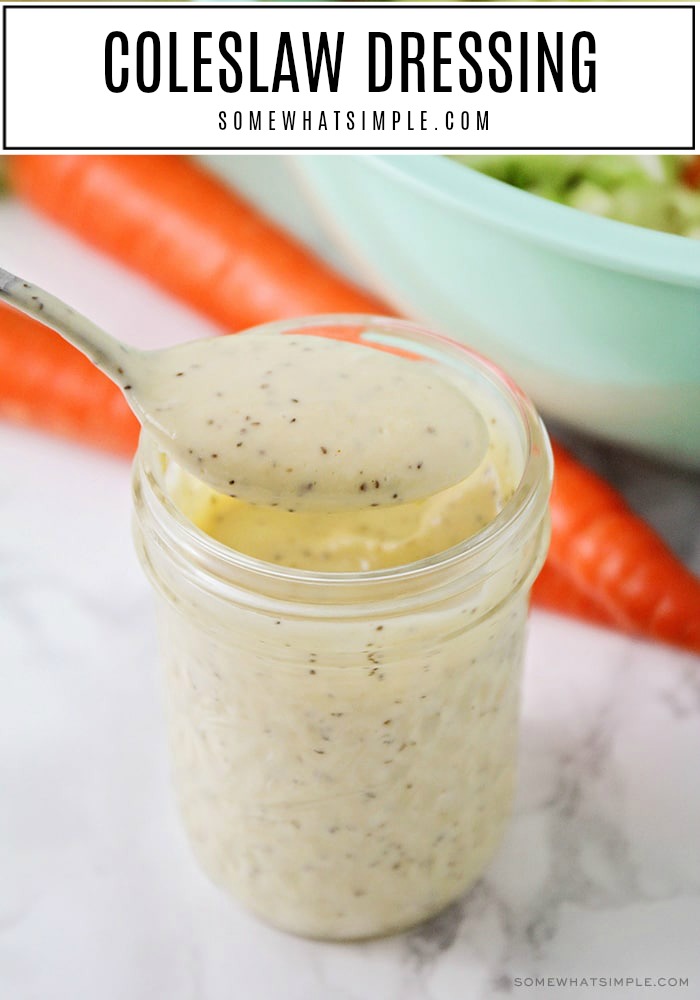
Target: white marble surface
<point>599,874</point>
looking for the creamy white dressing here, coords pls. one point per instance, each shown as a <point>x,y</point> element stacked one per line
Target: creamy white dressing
<point>344,742</point>
<point>348,778</point>
<point>306,422</point>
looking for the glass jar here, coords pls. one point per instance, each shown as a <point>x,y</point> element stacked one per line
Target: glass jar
<point>344,744</point>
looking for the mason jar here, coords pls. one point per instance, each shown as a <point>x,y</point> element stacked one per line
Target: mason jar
<point>344,744</point>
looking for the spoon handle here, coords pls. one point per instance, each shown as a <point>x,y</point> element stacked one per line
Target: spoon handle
<point>109,354</point>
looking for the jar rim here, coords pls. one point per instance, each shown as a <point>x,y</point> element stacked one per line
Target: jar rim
<point>528,498</point>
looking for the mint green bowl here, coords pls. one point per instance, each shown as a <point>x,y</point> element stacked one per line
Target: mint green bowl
<point>598,320</point>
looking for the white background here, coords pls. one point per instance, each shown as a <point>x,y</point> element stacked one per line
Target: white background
<point>57,98</point>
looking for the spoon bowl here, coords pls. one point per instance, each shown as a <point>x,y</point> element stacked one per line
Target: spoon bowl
<point>298,421</point>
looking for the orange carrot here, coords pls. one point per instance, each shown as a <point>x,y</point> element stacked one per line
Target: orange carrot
<point>616,560</point>
<point>553,590</point>
<point>171,221</point>
<point>47,384</point>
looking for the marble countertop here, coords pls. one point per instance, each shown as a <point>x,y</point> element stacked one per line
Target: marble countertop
<point>100,899</point>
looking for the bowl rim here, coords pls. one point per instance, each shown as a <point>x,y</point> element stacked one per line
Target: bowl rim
<point>606,242</point>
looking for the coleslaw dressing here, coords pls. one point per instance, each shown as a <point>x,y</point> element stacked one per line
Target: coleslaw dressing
<point>345,764</point>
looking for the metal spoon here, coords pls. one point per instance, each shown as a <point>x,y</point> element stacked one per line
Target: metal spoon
<point>301,422</point>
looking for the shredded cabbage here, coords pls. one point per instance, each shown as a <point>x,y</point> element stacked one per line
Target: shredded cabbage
<point>642,190</point>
